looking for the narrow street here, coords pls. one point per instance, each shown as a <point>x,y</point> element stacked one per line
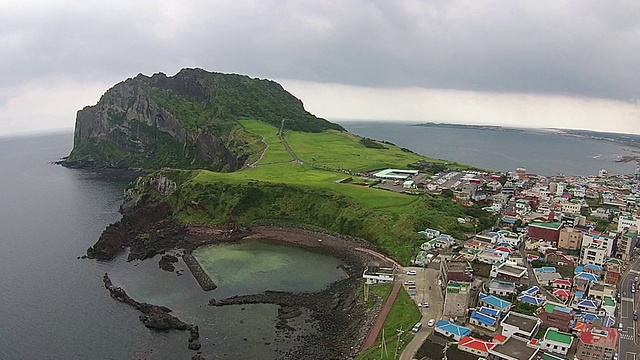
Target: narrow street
<point>628,348</point>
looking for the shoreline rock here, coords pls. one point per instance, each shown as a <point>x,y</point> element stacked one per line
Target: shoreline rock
<point>198,273</point>
<point>154,316</point>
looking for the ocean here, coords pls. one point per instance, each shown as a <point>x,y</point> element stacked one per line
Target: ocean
<point>539,153</point>
<point>54,306</point>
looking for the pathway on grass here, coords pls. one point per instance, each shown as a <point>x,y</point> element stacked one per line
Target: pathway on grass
<point>295,157</point>
<point>255,163</point>
<point>382,316</point>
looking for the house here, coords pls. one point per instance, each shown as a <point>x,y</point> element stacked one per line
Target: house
<point>562,294</point>
<point>597,343</point>
<point>524,326</point>
<point>444,241</point>
<point>514,348</point>
<point>608,305</point>
<point>587,305</point>
<point>600,291</point>
<point>612,273</point>
<point>456,299</point>
<point>476,346</point>
<point>556,257</point>
<point>556,316</point>
<point>547,231</point>
<point>429,233</point>
<point>511,238</point>
<point>491,256</point>
<point>556,341</point>
<point>450,329</point>
<point>571,208</point>
<point>501,288</point>
<point>476,245</point>
<point>376,274</point>
<point>508,271</point>
<point>494,302</point>
<point>546,275</point>
<point>485,317</point>
<point>564,284</point>
<point>569,239</point>
<point>597,241</point>
<point>455,271</point>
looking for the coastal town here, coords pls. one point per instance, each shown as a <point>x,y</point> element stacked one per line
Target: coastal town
<point>556,277</point>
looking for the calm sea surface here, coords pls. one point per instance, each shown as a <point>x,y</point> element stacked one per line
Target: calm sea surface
<point>545,154</point>
<point>53,305</point>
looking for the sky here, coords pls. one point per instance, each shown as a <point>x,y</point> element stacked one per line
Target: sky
<point>556,63</point>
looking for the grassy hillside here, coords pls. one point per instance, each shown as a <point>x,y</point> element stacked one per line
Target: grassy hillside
<point>284,191</point>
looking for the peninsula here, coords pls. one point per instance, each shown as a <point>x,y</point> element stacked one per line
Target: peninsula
<point>229,157</point>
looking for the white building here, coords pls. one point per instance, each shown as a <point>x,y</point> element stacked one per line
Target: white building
<point>524,326</point>
<point>594,254</point>
<point>556,341</point>
<point>628,222</point>
<point>599,240</point>
<point>375,274</point>
<point>571,208</point>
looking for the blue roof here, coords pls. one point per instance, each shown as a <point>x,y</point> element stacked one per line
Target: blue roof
<point>588,276</point>
<point>593,267</point>
<point>579,294</point>
<point>490,311</point>
<point>578,269</point>
<point>588,303</point>
<point>509,221</point>
<point>483,319</point>
<point>495,301</point>
<point>531,291</point>
<point>453,328</point>
<point>531,299</point>
<point>608,321</point>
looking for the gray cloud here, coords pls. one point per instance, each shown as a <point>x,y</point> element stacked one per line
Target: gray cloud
<point>578,48</point>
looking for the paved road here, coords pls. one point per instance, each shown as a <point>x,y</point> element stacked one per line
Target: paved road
<point>628,349</point>
<point>424,279</point>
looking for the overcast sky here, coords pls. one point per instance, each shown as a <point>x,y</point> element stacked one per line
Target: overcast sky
<point>536,63</point>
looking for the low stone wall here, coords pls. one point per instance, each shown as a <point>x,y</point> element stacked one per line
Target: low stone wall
<point>196,270</point>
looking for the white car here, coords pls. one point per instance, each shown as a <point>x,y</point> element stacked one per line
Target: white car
<point>411,272</point>
<point>425,304</point>
<point>431,323</point>
<point>409,282</point>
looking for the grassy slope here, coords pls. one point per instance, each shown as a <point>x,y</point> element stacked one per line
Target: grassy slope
<point>307,194</point>
<point>340,150</point>
<point>276,153</point>
<point>403,315</point>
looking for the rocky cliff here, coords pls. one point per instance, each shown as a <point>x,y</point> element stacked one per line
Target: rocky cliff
<point>188,120</point>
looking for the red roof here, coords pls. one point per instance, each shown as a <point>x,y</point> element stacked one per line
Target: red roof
<point>599,336</point>
<point>499,338</point>
<point>504,248</point>
<point>562,282</point>
<point>561,292</point>
<point>476,344</point>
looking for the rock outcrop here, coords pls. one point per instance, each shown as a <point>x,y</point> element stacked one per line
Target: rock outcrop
<point>185,121</point>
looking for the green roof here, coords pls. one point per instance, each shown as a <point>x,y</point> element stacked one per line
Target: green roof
<point>608,301</point>
<point>550,356</point>
<point>548,225</point>
<point>558,336</point>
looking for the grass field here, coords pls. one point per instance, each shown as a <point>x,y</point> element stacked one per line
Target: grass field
<point>276,152</point>
<point>387,201</point>
<point>340,150</point>
<point>403,315</point>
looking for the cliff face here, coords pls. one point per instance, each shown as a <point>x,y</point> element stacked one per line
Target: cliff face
<point>184,121</point>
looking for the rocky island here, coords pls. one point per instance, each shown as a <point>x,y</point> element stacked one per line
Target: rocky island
<point>230,158</point>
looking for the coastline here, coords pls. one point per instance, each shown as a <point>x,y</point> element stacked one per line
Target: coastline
<point>342,324</point>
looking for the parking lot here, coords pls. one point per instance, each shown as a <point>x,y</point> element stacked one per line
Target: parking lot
<point>424,290</point>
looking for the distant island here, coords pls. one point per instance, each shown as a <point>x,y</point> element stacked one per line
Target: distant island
<point>631,140</point>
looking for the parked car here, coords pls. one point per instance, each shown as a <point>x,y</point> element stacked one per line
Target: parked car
<point>635,315</point>
<point>425,304</point>
<point>416,327</point>
<point>431,323</point>
<point>411,272</point>
<point>409,282</point>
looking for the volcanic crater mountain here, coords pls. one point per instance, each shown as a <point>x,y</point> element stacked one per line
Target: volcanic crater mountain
<point>187,121</point>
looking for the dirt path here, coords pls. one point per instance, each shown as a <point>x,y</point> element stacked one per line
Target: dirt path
<point>295,157</point>
<point>255,163</point>
<point>382,316</point>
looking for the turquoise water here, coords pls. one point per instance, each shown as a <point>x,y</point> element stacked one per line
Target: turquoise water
<point>255,266</point>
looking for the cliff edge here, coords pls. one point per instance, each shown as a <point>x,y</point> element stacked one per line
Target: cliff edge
<point>185,121</point>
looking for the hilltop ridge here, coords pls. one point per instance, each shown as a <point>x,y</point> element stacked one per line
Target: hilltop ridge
<point>189,120</point>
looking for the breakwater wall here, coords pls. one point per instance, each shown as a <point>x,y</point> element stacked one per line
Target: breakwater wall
<point>196,270</point>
